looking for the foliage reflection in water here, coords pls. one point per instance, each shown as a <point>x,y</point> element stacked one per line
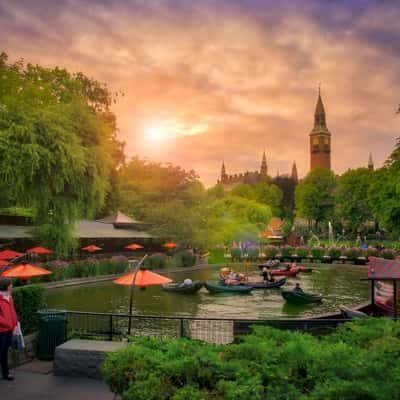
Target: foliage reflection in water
<point>339,284</point>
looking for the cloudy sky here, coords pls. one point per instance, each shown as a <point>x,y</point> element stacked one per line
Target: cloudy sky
<point>212,80</point>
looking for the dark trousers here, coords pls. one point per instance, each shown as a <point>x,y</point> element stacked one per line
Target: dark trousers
<point>5,343</point>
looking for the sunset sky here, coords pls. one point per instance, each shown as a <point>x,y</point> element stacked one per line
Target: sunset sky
<point>212,80</point>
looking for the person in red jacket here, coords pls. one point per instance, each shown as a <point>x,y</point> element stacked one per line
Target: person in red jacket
<point>8,323</point>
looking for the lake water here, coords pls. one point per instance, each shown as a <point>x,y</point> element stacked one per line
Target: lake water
<point>339,284</point>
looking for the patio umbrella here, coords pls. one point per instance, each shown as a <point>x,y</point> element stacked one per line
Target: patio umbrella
<point>4,263</point>
<point>170,245</point>
<point>25,271</point>
<point>140,277</point>
<point>133,246</point>
<point>92,248</point>
<point>9,254</point>
<point>39,250</point>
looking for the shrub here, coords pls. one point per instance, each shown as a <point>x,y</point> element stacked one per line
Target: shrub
<point>156,261</point>
<point>357,361</point>
<point>183,258</point>
<point>388,254</point>
<point>286,251</point>
<point>253,253</point>
<point>28,300</point>
<point>236,253</point>
<point>371,252</point>
<point>270,251</point>
<point>302,252</point>
<point>334,252</point>
<point>217,255</point>
<point>352,253</point>
<point>317,252</point>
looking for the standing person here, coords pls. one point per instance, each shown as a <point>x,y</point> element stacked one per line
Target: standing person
<point>8,323</point>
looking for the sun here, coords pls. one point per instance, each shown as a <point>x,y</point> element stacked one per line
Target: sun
<point>156,133</point>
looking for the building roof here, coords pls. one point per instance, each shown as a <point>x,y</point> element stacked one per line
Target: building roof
<point>380,268</point>
<point>275,224</point>
<point>83,229</point>
<point>118,218</point>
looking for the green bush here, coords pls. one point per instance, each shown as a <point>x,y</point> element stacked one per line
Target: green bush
<point>302,252</point>
<point>183,258</point>
<point>253,253</point>
<point>371,252</point>
<point>28,300</point>
<point>217,255</point>
<point>358,361</point>
<point>236,253</point>
<point>317,252</point>
<point>286,251</point>
<point>270,251</point>
<point>388,254</point>
<point>156,261</point>
<point>334,252</point>
<point>352,253</point>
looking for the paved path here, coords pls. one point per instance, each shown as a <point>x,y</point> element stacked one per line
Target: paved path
<point>35,381</point>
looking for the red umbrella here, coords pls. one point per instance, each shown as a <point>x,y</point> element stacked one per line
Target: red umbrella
<point>170,245</point>
<point>4,263</point>
<point>9,254</point>
<point>133,246</point>
<point>25,271</point>
<point>91,248</point>
<point>142,278</point>
<point>39,250</point>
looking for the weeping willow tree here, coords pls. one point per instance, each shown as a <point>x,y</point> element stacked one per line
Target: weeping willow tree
<point>58,147</point>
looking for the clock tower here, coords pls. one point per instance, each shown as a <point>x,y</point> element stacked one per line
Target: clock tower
<point>320,139</point>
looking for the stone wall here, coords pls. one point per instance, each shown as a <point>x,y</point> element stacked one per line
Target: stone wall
<point>18,357</point>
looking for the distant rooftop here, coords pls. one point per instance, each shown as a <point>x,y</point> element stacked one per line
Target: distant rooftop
<point>119,218</point>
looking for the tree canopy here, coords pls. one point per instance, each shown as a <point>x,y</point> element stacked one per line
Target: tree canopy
<point>57,146</point>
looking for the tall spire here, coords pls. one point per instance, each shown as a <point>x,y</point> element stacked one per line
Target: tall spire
<point>264,167</point>
<point>294,172</point>
<point>319,116</point>
<point>223,173</point>
<point>370,162</point>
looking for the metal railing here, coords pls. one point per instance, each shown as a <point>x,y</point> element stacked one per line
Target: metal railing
<point>108,326</point>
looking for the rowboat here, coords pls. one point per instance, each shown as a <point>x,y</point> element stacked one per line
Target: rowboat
<point>298,297</point>
<point>268,264</point>
<point>216,287</point>
<point>267,285</point>
<point>183,289</point>
<point>351,313</point>
<point>291,272</point>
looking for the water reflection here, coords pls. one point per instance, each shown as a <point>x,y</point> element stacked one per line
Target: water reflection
<point>339,285</point>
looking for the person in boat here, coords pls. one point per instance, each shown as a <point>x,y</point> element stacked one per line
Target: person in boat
<point>267,277</point>
<point>232,279</point>
<point>288,267</point>
<point>270,263</point>
<point>187,282</point>
<point>293,265</point>
<point>298,289</point>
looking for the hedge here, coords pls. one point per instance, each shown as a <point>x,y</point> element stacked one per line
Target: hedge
<point>28,300</point>
<point>357,361</point>
<point>183,258</point>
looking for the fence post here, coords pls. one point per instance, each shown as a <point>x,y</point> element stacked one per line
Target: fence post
<point>182,331</point>
<point>111,327</point>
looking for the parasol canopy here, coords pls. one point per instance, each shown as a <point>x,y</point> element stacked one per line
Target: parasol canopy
<point>9,254</point>
<point>144,278</point>
<point>25,271</point>
<point>4,263</point>
<point>133,246</point>
<point>39,250</point>
<point>170,245</point>
<point>92,248</point>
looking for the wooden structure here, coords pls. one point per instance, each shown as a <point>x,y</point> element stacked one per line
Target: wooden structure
<point>385,292</point>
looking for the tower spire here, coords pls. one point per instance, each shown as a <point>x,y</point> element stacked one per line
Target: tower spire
<point>294,172</point>
<point>223,173</point>
<point>370,162</point>
<point>264,166</point>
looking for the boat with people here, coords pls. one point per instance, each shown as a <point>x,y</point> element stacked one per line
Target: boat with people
<point>269,264</point>
<point>267,284</point>
<point>221,287</point>
<point>293,271</point>
<point>298,296</point>
<point>183,288</point>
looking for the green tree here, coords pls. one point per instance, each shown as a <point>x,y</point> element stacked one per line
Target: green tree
<point>315,195</point>
<point>55,142</point>
<point>352,197</point>
<point>270,194</point>
<point>384,193</point>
